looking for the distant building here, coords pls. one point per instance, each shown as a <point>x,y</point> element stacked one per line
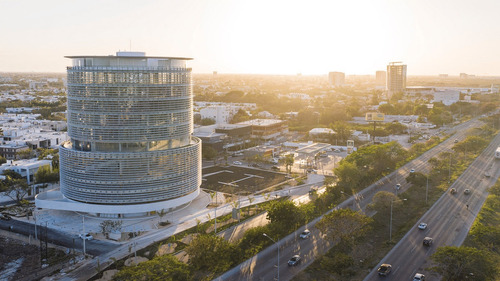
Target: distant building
<point>221,114</point>
<point>396,77</point>
<point>10,151</point>
<point>27,168</point>
<point>380,77</point>
<point>266,129</point>
<point>464,75</point>
<point>443,75</point>
<point>447,97</point>
<point>336,79</point>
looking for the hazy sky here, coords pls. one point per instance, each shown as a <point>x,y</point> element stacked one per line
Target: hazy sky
<point>254,36</point>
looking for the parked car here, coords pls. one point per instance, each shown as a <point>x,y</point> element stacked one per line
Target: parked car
<point>293,261</point>
<point>419,277</point>
<point>422,226</point>
<point>428,241</point>
<point>467,191</point>
<point>305,234</point>
<point>384,269</point>
<point>86,236</point>
<point>237,163</point>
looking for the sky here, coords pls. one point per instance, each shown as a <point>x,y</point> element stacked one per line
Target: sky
<point>258,36</point>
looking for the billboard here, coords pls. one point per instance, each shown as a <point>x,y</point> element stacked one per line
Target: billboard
<point>374,116</point>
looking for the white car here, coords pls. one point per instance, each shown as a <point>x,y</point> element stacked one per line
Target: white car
<point>412,171</point>
<point>86,236</point>
<point>237,163</point>
<point>422,225</point>
<point>305,234</point>
<point>419,277</point>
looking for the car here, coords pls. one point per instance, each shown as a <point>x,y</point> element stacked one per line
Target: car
<point>427,241</point>
<point>384,269</point>
<point>238,154</point>
<point>276,168</point>
<point>293,261</point>
<point>412,171</point>
<point>86,236</point>
<point>256,165</point>
<point>487,174</point>
<point>422,225</point>
<point>419,277</point>
<point>456,141</point>
<point>5,217</point>
<point>453,190</point>
<point>398,186</point>
<point>305,234</point>
<point>237,163</point>
<point>467,191</point>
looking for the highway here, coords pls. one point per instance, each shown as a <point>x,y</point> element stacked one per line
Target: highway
<point>263,265</point>
<point>449,220</point>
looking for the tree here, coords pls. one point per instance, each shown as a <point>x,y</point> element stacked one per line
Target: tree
<point>457,263</point>
<point>2,160</point>
<point>209,152</point>
<point>165,267</point>
<point>381,201</point>
<point>289,160</point>
<point>284,216</point>
<point>45,174</point>
<point>212,253</point>
<point>14,186</point>
<point>207,121</point>
<point>240,116</point>
<point>417,179</point>
<point>345,225</point>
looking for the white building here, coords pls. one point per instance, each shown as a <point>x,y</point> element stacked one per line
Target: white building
<point>27,168</point>
<point>221,114</point>
<point>447,97</point>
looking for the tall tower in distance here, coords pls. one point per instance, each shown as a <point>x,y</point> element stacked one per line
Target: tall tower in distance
<point>396,77</point>
<point>336,79</point>
<point>130,119</point>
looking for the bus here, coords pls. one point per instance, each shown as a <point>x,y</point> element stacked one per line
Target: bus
<point>497,153</point>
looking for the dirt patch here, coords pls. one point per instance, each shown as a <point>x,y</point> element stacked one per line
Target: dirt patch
<point>14,250</point>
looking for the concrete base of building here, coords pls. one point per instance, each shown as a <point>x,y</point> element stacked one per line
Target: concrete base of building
<point>55,200</point>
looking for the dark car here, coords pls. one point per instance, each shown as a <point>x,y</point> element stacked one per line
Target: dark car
<point>427,241</point>
<point>293,261</point>
<point>384,269</point>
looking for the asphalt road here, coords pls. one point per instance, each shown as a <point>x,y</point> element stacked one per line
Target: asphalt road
<point>263,265</point>
<point>449,220</point>
<point>93,247</point>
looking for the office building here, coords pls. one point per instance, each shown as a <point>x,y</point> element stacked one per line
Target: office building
<point>396,77</point>
<point>130,119</point>
<point>336,79</point>
<point>380,77</point>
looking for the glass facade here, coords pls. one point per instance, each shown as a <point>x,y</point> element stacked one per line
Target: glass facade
<point>130,121</point>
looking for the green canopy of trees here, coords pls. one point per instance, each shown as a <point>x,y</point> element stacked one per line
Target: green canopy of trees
<point>462,263</point>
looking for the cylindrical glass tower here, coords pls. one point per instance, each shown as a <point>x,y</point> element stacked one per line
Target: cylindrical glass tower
<point>130,120</point>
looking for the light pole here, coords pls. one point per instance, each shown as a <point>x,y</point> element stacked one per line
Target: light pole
<point>278,245</point>
<point>426,188</point>
<point>390,223</point>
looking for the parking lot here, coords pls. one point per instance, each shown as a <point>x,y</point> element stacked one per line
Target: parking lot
<point>239,180</point>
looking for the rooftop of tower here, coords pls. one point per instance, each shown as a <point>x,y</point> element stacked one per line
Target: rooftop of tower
<point>139,55</point>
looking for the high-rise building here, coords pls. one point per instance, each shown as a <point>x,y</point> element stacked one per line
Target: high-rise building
<point>336,79</point>
<point>396,77</point>
<point>130,119</point>
<point>380,77</point>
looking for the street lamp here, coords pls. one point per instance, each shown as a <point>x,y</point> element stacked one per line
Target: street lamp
<point>278,245</point>
<point>426,188</point>
<point>390,223</point>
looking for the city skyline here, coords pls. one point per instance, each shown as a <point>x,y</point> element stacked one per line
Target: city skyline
<point>258,37</point>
